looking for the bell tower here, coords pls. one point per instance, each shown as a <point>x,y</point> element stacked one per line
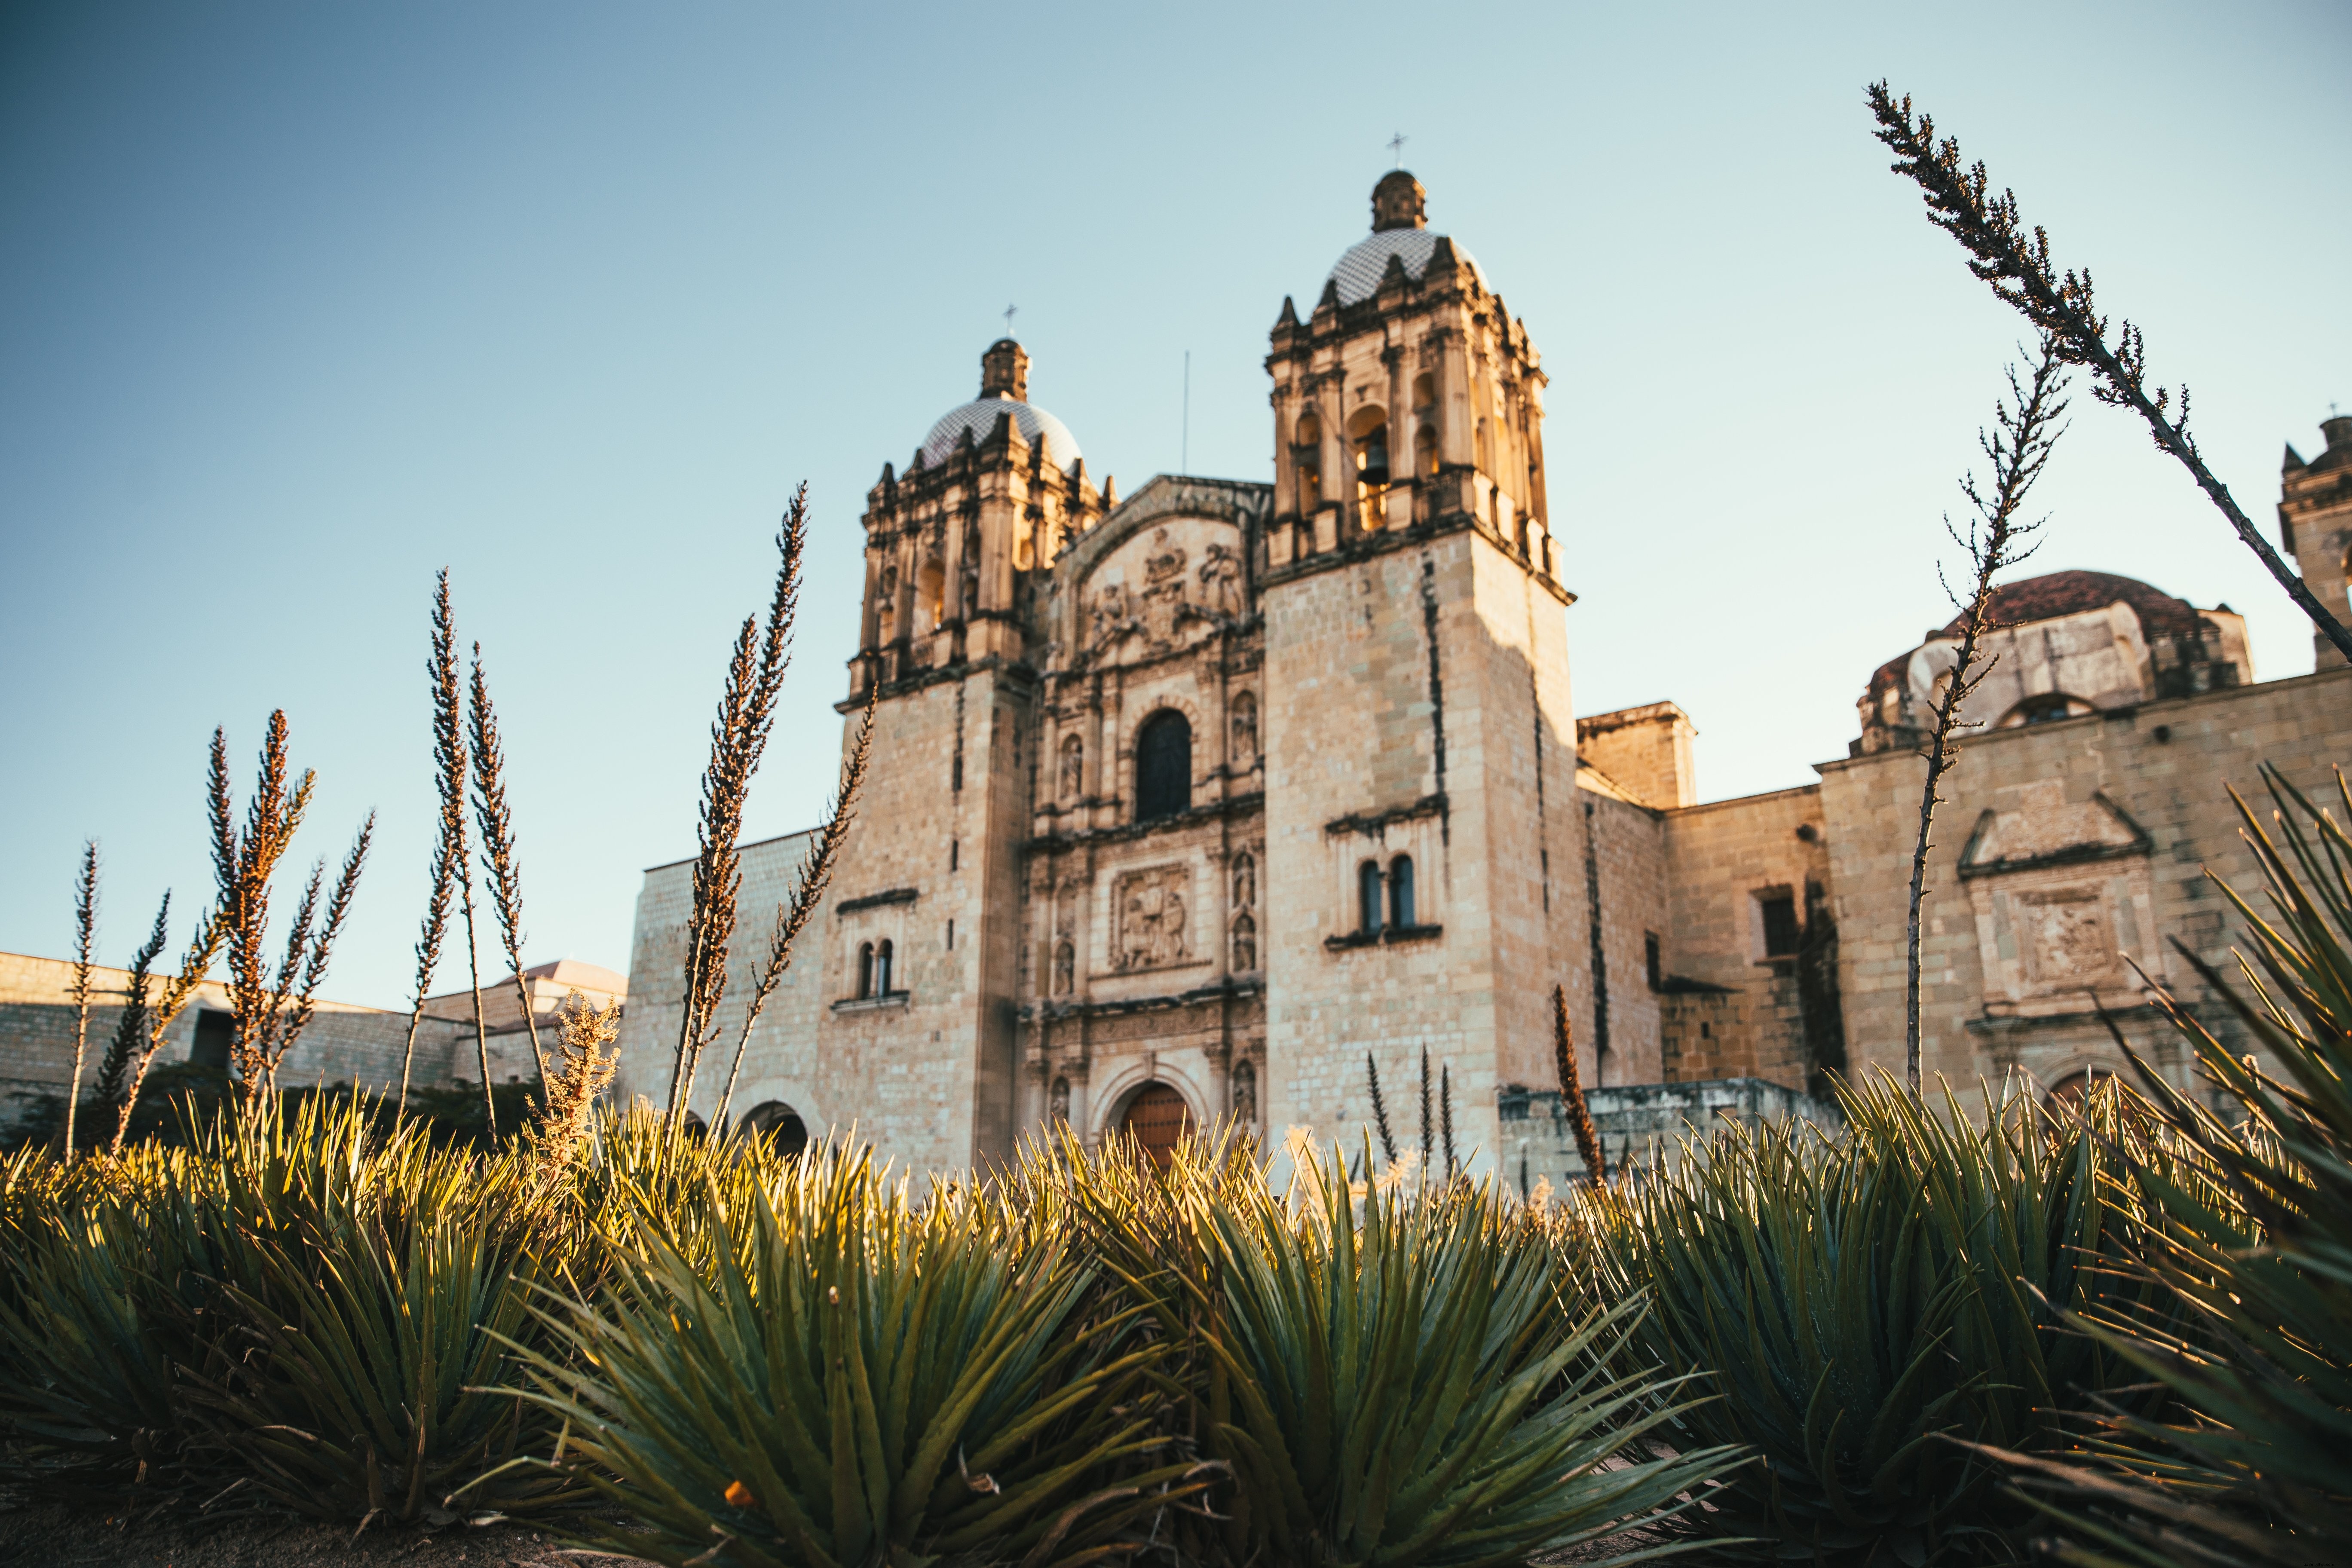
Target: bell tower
<point>1420,744</point>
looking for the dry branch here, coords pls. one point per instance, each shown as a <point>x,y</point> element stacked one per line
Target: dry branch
<point>1571,1090</point>
<point>449,844</point>
<point>817,874</point>
<point>497,847</point>
<point>85,932</point>
<point>739,735</point>
<point>130,1029</point>
<point>2062,308</point>
<point>2025,428</point>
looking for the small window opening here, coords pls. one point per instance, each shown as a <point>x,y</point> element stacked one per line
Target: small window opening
<point>1307,456</point>
<point>1781,935</point>
<point>955,848</point>
<point>1650,964</point>
<point>882,977</point>
<point>1368,897</point>
<point>1401,910</point>
<point>215,1034</point>
<point>865,970</point>
<point>950,935</point>
<point>931,596</point>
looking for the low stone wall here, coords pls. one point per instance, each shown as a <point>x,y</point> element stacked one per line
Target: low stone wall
<point>1639,1123</point>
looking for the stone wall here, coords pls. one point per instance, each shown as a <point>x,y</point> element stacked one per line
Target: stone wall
<point>2121,814</point>
<point>344,1043</point>
<point>1732,1009</point>
<point>1638,1125</point>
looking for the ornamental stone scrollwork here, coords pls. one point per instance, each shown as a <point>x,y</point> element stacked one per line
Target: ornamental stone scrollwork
<point>1149,909</point>
<point>1113,615</point>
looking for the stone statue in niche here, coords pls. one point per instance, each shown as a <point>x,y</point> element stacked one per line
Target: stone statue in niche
<point>1221,581</point>
<point>1165,561</point>
<point>1074,767</point>
<point>1058,1101</point>
<point>1150,913</point>
<point>1246,1093</point>
<point>1245,728</point>
<point>1066,969</point>
<point>1244,945</point>
<point>1245,881</point>
<point>1112,615</point>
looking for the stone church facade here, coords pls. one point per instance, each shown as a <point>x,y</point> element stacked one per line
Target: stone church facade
<point>1183,806</point>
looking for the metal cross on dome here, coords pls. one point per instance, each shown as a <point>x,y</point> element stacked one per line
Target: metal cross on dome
<point>1396,146</point>
<point>1009,311</point>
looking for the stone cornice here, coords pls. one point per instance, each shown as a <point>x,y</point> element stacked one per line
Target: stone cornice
<point>1250,805</point>
<point>1367,546</point>
<point>1058,1010</point>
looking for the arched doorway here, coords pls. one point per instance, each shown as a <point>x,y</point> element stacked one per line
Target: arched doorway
<point>774,1117</point>
<point>1157,1117</point>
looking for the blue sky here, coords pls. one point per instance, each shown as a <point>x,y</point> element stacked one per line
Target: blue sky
<point>299,303</point>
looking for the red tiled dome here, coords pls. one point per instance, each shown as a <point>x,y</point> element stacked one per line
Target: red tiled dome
<point>2059,594</point>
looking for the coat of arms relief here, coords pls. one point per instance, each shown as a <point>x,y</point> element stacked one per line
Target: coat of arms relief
<point>1150,919</point>
<point>2063,900</point>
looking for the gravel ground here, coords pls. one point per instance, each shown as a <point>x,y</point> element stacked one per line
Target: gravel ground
<point>48,1536</point>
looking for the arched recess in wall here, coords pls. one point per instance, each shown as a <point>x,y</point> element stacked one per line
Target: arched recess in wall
<point>930,595</point>
<point>1306,459</point>
<point>1367,444</point>
<point>1163,766</point>
<point>2047,708</point>
<point>774,1118</point>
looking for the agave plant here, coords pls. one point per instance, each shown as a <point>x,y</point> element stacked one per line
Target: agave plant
<point>840,1380</point>
<point>1402,1384</point>
<point>1863,1300</point>
<point>2244,1218</point>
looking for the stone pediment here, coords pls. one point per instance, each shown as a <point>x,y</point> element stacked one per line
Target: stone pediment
<point>2036,826</point>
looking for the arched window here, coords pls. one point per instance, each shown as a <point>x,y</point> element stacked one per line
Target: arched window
<point>1425,450</point>
<point>865,970</point>
<point>1424,393</point>
<point>2046,709</point>
<point>931,596</point>
<point>1307,456</point>
<point>1367,439</point>
<point>1163,765</point>
<point>882,979</point>
<point>1401,914</point>
<point>775,1118</point>
<point>1368,897</point>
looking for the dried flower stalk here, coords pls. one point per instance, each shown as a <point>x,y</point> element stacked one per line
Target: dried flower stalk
<point>130,1029</point>
<point>583,1067</point>
<point>816,876</point>
<point>204,948</point>
<point>498,851</point>
<point>85,932</point>
<point>737,736</point>
<point>2062,308</point>
<point>1571,1089</point>
<point>1380,1112</point>
<point>2024,430</point>
<point>449,844</point>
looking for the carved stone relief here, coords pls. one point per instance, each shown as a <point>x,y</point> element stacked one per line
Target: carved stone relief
<point>1148,908</point>
<point>1221,581</point>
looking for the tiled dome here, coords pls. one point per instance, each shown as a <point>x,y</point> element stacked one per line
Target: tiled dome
<point>1358,272</point>
<point>980,417</point>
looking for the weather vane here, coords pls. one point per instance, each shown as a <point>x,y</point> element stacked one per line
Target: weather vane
<point>1396,145</point>
<point>1009,309</point>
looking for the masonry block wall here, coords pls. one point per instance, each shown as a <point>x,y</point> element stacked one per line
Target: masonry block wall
<point>1735,1008</point>
<point>2162,769</point>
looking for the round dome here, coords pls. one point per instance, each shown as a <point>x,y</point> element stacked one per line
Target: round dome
<point>980,417</point>
<point>1358,272</point>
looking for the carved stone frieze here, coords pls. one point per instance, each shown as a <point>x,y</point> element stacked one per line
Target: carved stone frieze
<point>1150,919</point>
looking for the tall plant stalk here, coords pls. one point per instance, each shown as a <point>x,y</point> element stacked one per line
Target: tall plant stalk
<point>2025,428</point>
<point>449,843</point>
<point>498,851</point>
<point>269,1016</point>
<point>793,914</point>
<point>130,1028</point>
<point>1571,1089</point>
<point>85,932</point>
<point>739,735</point>
<point>1380,1109</point>
<point>2062,308</point>
<point>204,948</point>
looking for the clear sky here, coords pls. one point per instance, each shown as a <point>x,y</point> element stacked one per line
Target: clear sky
<point>301,302</point>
